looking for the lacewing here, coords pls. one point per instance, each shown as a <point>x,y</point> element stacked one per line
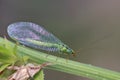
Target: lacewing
<point>36,36</point>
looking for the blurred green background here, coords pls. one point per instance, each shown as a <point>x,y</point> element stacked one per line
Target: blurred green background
<point>88,26</point>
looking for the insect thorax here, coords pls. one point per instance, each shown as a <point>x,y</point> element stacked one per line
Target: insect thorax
<point>66,49</point>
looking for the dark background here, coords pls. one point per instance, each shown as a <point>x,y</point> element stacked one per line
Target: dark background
<point>90,25</point>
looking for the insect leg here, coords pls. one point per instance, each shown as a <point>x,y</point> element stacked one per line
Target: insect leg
<point>48,54</point>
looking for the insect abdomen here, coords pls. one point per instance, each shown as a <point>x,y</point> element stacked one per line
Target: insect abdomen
<point>41,45</point>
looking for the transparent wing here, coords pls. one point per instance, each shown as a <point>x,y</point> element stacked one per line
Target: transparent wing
<point>24,30</point>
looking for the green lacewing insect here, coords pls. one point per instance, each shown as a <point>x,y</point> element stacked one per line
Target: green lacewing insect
<point>36,36</point>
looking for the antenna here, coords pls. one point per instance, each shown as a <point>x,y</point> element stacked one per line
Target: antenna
<point>89,46</point>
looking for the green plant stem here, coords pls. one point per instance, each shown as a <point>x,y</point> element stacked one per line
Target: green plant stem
<point>69,66</point>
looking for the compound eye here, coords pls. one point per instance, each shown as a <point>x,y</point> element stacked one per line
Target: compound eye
<point>63,45</point>
<point>67,48</point>
<point>74,54</point>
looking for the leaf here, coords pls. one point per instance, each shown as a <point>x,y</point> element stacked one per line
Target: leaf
<point>7,52</point>
<point>3,71</point>
<point>39,75</point>
<point>3,66</point>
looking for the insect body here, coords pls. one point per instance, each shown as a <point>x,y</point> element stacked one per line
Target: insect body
<point>35,36</point>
